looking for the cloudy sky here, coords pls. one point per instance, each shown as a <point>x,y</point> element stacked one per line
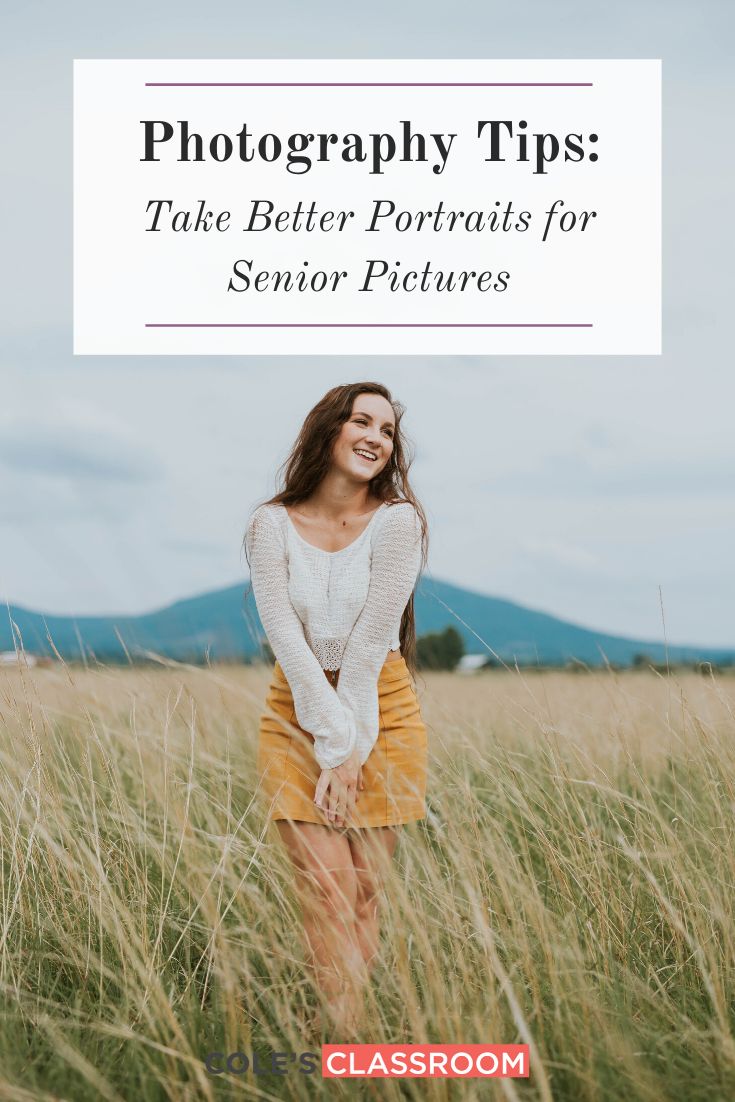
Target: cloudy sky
<point>575,485</point>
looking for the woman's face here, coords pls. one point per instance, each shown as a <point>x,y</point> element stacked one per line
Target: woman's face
<point>365,441</point>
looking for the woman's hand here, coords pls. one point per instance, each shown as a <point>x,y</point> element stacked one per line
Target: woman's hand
<point>336,790</point>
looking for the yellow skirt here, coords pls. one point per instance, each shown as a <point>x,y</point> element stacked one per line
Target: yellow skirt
<point>394,775</point>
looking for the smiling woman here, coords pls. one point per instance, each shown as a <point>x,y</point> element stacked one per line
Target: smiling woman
<point>334,559</point>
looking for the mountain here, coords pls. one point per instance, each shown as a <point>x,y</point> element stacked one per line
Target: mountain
<point>222,626</point>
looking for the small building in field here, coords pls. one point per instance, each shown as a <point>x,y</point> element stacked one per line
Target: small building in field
<point>470,663</point>
<point>12,658</point>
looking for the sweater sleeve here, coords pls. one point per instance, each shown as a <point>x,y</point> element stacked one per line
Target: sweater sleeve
<point>318,708</point>
<point>394,570</point>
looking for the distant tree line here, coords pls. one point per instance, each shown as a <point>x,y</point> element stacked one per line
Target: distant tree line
<point>439,650</point>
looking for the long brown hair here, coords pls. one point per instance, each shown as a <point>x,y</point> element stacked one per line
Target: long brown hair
<point>310,459</point>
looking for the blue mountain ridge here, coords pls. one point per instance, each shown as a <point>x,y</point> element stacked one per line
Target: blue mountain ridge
<point>222,626</point>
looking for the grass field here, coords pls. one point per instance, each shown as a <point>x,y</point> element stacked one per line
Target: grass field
<point>572,888</point>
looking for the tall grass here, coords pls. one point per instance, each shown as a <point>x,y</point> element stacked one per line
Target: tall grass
<point>571,888</point>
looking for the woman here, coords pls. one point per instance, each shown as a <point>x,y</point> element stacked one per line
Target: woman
<point>334,559</point>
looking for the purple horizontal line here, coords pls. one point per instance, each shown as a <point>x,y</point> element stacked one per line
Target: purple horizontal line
<point>366,84</point>
<point>368,325</point>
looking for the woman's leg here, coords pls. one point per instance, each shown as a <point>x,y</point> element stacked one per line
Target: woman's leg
<point>327,888</point>
<point>372,849</point>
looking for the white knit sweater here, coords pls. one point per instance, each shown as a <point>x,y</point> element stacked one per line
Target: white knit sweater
<point>328,610</point>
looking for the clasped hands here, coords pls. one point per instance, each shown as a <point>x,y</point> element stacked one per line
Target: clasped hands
<point>338,789</point>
